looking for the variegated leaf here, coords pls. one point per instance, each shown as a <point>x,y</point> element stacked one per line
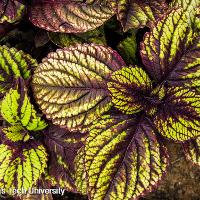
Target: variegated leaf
<point>22,166</point>
<point>70,84</point>
<point>18,110</point>
<point>14,134</point>
<point>137,13</point>
<point>62,147</point>
<point>192,150</point>
<point>128,87</point>
<point>70,17</point>
<point>170,51</point>
<point>189,7</point>
<point>80,173</point>
<point>11,11</point>
<point>178,115</point>
<point>13,64</point>
<point>124,159</point>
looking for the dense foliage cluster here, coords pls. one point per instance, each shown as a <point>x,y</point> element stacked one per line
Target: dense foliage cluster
<point>115,79</point>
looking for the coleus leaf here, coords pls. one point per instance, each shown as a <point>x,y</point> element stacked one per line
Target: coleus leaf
<point>18,110</point>
<point>137,13</point>
<point>11,11</point>
<point>22,166</point>
<point>70,84</point>
<point>128,48</point>
<point>127,86</point>
<point>170,52</point>
<point>96,36</point>
<point>36,197</point>
<point>123,158</point>
<point>189,7</point>
<point>62,146</point>
<point>178,116</point>
<point>13,64</point>
<point>14,134</point>
<point>192,150</point>
<point>70,17</point>
<point>80,175</point>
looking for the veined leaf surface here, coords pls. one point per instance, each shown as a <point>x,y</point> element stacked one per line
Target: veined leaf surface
<point>62,146</point>
<point>127,87</point>
<point>70,17</point>
<point>14,134</point>
<point>137,13</point>
<point>178,116</point>
<point>11,11</point>
<point>123,158</point>
<point>170,51</point>
<point>70,84</point>
<point>80,175</point>
<point>21,167</point>
<point>13,64</point>
<point>192,150</point>
<point>18,110</point>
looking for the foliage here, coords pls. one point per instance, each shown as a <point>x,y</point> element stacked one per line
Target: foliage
<point>93,115</point>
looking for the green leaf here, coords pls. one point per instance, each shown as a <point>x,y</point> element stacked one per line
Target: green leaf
<point>137,13</point>
<point>123,158</point>
<point>170,52</point>
<point>178,116</point>
<point>127,87</point>
<point>18,110</point>
<point>70,84</point>
<point>74,18</point>
<point>22,166</point>
<point>13,64</point>
<point>128,48</point>
<point>15,133</point>
<point>11,11</point>
<point>192,150</point>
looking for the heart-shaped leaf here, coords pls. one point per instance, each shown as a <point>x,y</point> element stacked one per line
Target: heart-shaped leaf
<point>22,166</point>
<point>70,84</point>
<point>18,110</point>
<point>123,158</point>
<point>70,17</point>
<point>171,51</point>
<point>178,115</point>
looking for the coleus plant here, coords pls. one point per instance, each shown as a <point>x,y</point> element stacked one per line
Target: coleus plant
<point>110,118</point>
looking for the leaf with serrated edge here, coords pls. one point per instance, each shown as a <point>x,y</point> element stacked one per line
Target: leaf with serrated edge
<point>14,133</point>
<point>127,86</point>
<point>71,17</point>
<point>62,146</point>
<point>192,150</point>
<point>124,158</point>
<point>13,64</point>
<point>178,116</point>
<point>70,84</point>
<point>137,13</point>
<point>170,52</point>
<point>18,110</point>
<point>22,166</point>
